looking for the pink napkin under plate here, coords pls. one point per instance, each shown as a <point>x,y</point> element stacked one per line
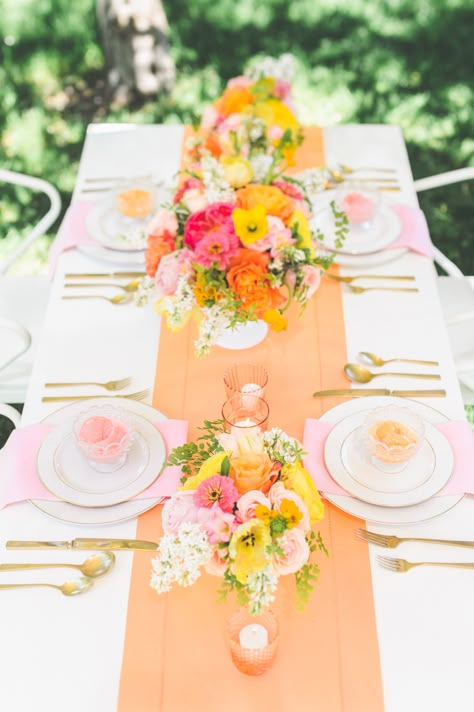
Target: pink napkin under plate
<point>414,233</point>
<point>19,480</point>
<point>458,433</point>
<point>72,232</point>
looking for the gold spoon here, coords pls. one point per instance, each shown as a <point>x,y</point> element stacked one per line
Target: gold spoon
<point>130,287</point>
<point>349,280</point>
<point>70,588</point>
<point>96,565</point>
<point>374,360</point>
<point>339,177</point>
<point>117,299</point>
<point>348,169</point>
<point>360,290</point>
<point>360,374</point>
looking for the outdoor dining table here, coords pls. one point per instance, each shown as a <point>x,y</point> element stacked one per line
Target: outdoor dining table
<point>59,653</point>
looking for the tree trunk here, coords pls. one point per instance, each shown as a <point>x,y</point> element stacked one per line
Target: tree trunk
<point>135,38</point>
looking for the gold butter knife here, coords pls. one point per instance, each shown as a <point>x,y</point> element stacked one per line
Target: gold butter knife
<point>113,275</point>
<point>87,543</point>
<point>358,392</point>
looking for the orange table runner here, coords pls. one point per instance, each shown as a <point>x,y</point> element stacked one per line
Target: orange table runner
<point>175,652</point>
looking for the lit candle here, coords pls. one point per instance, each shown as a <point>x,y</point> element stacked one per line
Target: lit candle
<point>246,426</point>
<point>251,389</point>
<point>253,637</point>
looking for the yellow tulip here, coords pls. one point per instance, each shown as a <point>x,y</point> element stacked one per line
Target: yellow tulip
<point>304,238</point>
<point>210,467</point>
<point>299,480</point>
<point>248,548</point>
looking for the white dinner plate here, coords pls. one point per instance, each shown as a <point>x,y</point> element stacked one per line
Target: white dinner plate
<point>384,230</point>
<point>350,465</point>
<point>71,513</point>
<point>65,472</point>
<point>108,227</point>
<point>429,509</point>
<point>102,254</point>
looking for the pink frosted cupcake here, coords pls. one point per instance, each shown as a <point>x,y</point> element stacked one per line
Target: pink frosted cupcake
<point>104,435</point>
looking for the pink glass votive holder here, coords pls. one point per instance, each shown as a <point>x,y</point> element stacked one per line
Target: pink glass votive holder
<point>261,633</point>
<point>104,435</point>
<point>245,414</point>
<point>247,378</point>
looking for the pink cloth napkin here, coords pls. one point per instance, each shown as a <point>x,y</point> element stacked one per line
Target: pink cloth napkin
<point>414,234</point>
<point>72,232</point>
<point>458,433</point>
<point>19,479</point>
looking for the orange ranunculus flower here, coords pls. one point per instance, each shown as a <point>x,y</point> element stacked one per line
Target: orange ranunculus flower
<point>274,201</point>
<point>253,471</point>
<point>247,277</point>
<point>157,247</point>
<point>234,100</point>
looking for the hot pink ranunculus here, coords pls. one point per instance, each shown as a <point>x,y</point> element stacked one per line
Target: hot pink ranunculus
<point>247,503</point>
<point>178,509</point>
<point>218,246</point>
<point>278,493</point>
<point>296,552</point>
<point>216,216</point>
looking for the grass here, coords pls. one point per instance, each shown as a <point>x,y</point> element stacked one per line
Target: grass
<point>364,61</point>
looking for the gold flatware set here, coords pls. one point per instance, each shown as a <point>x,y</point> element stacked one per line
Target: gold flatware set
<point>129,288</point>
<point>139,395</point>
<point>356,289</point>
<point>362,392</point>
<point>361,374</point>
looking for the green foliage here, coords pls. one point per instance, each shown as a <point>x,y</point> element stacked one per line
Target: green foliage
<point>363,61</point>
<point>190,456</point>
<point>306,579</point>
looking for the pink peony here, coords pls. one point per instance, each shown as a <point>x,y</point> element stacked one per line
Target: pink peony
<point>217,489</point>
<point>247,503</point>
<point>178,509</point>
<point>163,222</point>
<point>170,269</point>
<point>217,566</point>
<point>311,279</point>
<point>278,493</point>
<point>296,552</point>
<point>218,246</point>
<point>217,216</point>
<point>219,525</point>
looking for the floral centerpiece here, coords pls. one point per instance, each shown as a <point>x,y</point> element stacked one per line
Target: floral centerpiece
<point>235,242</point>
<point>244,512</point>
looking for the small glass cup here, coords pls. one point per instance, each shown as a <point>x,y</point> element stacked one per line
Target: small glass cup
<point>104,435</point>
<point>261,632</point>
<point>246,378</point>
<point>135,199</point>
<point>360,205</point>
<point>245,414</point>
<point>392,435</point>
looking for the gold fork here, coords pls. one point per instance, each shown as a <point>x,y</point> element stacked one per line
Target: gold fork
<point>360,290</point>
<point>402,566</point>
<point>109,386</point>
<point>117,299</point>
<point>129,287</point>
<point>348,169</point>
<point>389,541</point>
<point>139,395</point>
<point>348,280</point>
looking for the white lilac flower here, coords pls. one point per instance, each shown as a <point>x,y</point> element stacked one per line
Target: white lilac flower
<point>213,325</point>
<point>261,587</point>
<point>261,164</point>
<point>282,68</point>
<point>281,447</point>
<point>144,291</point>
<point>178,305</point>
<point>218,189</point>
<point>180,558</point>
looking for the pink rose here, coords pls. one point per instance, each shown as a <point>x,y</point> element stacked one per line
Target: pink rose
<point>277,236</point>
<point>278,493</point>
<point>275,133</point>
<point>178,509</point>
<point>311,279</point>
<point>171,267</point>
<point>217,216</point>
<point>216,566</point>
<point>292,191</point>
<point>247,503</point>
<point>296,552</point>
<point>192,195</point>
<point>163,222</point>
<point>219,525</point>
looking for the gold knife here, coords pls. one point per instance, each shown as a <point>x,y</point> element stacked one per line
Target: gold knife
<point>358,392</point>
<point>113,275</point>
<point>87,543</point>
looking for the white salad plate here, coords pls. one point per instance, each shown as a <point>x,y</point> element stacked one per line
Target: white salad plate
<point>383,514</point>
<point>74,514</point>
<point>107,226</point>
<point>351,466</point>
<point>65,472</point>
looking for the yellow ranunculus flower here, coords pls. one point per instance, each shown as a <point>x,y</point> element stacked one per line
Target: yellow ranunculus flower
<point>250,225</point>
<point>238,171</point>
<point>275,319</point>
<point>210,467</point>
<point>299,480</point>
<point>275,112</point>
<point>248,548</point>
<point>304,238</point>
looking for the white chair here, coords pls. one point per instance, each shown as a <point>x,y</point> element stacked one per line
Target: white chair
<point>11,414</point>
<point>457,295</point>
<point>23,300</point>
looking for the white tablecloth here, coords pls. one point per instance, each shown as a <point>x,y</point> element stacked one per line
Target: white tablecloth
<point>59,653</point>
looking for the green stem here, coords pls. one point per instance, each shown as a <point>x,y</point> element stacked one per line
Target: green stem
<point>291,294</point>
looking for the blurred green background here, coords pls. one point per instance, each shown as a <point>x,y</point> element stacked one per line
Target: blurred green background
<point>406,62</point>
